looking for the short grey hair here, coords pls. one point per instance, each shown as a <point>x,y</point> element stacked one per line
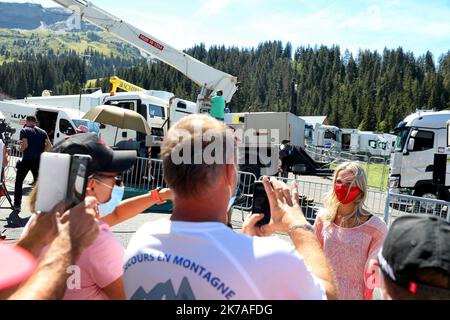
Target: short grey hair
<point>191,139</point>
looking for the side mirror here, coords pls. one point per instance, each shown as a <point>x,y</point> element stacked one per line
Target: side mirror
<point>411,144</point>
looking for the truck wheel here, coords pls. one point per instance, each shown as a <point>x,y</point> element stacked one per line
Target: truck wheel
<point>430,192</point>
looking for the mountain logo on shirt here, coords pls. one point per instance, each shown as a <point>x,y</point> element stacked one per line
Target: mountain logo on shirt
<point>166,290</point>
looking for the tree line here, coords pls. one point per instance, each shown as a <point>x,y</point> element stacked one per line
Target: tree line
<point>368,90</point>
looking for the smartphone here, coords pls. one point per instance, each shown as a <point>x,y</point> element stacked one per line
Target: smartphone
<point>77,181</point>
<point>261,203</point>
<point>53,180</point>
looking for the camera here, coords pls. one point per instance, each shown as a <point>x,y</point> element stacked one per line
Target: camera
<point>6,131</point>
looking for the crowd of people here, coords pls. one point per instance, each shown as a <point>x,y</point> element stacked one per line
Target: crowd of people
<point>347,254</point>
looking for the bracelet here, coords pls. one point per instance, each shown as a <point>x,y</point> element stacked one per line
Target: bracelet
<point>154,195</point>
<point>305,226</point>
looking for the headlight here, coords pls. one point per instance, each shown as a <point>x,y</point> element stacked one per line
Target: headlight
<point>394,182</point>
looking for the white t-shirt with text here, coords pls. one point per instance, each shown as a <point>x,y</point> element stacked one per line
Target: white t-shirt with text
<point>168,260</point>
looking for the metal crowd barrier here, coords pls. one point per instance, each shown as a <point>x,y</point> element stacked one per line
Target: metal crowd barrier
<point>398,205</point>
<point>14,156</point>
<point>244,197</point>
<point>313,195</point>
<point>146,174</point>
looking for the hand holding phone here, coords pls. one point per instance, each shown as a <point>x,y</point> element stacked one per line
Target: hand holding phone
<point>62,177</point>
<point>261,203</point>
<point>77,182</point>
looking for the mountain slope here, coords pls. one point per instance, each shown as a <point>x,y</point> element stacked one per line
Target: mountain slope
<point>14,44</point>
<point>29,16</point>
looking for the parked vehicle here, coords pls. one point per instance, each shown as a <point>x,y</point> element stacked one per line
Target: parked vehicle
<point>57,122</point>
<point>419,137</point>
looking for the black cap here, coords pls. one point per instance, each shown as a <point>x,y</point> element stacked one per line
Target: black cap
<point>104,159</point>
<point>413,243</point>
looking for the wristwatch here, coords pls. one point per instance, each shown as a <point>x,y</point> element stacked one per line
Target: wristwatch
<point>305,226</point>
<point>154,195</point>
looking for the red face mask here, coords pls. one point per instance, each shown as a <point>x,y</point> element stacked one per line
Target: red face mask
<point>344,195</point>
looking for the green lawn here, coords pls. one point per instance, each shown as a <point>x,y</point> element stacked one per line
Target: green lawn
<point>378,175</point>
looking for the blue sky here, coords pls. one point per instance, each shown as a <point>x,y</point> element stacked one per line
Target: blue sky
<point>416,25</point>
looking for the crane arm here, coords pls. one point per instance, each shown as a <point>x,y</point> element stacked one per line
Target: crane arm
<point>118,83</point>
<point>208,78</point>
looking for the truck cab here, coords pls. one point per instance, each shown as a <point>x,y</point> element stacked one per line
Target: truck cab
<point>327,136</point>
<point>153,109</point>
<point>419,137</point>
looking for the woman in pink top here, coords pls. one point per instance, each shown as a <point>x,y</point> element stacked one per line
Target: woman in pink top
<point>349,235</point>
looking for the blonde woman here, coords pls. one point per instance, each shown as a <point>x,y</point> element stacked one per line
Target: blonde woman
<point>349,235</point>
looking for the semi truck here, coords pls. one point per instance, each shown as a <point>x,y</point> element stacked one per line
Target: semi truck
<point>419,137</point>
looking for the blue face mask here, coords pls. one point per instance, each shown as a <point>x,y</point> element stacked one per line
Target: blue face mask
<point>109,207</point>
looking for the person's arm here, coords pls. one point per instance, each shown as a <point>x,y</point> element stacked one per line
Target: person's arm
<point>23,144</point>
<point>285,213</point>
<point>5,156</point>
<point>132,207</point>
<point>116,290</point>
<point>78,229</point>
<point>41,232</point>
<point>48,145</point>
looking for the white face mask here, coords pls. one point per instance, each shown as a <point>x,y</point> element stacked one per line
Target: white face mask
<point>107,208</point>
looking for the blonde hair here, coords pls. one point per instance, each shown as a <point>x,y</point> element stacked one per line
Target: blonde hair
<point>332,203</point>
<point>32,199</point>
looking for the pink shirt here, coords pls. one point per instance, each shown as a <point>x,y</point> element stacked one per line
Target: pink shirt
<point>350,252</point>
<point>100,265</point>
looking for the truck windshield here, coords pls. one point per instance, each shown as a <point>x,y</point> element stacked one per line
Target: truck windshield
<point>92,126</point>
<point>402,136</point>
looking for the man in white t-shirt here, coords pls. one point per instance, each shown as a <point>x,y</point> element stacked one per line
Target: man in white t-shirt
<point>194,255</point>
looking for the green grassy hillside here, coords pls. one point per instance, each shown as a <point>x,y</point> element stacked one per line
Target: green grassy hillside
<point>14,43</point>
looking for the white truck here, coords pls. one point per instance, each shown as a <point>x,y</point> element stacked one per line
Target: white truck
<point>260,136</point>
<point>391,141</point>
<point>327,136</point>
<point>419,137</point>
<point>273,142</point>
<point>152,105</point>
<point>58,122</point>
<point>367,143</point>
<point>350,140</point>
<point>372,143</point>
